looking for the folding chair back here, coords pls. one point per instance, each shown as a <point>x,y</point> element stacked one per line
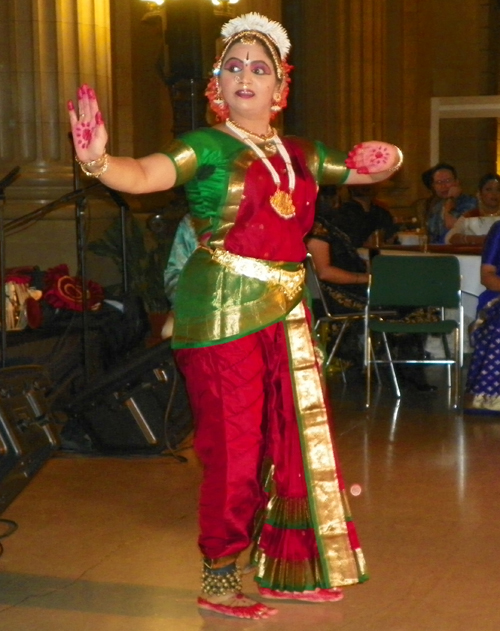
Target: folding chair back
<point>415,281</point>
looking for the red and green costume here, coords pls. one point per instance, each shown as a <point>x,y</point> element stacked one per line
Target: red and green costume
<point>243,341</point>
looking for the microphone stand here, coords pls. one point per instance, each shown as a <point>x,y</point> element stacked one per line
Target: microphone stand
<point>6,181</point>
<point>19,222</point>
<point>81,249</point>
<point>124,208</point>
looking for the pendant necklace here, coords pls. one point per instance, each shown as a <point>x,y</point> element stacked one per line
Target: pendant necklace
<point>281,201</point>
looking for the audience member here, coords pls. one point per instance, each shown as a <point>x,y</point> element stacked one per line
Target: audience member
<point>184,244</point>
<point>362,215</point>
<point>343,277</point>
<point>482,390</point>
<point>447,203</point>
<point>473,226</point>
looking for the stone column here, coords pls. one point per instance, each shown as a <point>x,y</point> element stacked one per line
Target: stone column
<point>48,47</point>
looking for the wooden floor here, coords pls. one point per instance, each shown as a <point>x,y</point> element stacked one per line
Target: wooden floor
<point>109,544</point>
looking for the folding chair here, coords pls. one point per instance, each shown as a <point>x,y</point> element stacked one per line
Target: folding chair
<point>344,319</point>
<point>415,281</point>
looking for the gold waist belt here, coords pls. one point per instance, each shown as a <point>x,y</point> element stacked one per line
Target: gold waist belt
<point>290,282</point>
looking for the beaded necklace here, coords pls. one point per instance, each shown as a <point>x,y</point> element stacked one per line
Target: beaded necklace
<point>281,201</point>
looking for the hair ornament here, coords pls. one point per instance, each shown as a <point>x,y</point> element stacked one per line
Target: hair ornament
<point>259,23</point>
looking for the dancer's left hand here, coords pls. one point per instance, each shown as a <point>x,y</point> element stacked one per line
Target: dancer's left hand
<point>374,156</point>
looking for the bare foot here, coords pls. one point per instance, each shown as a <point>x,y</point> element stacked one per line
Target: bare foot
<point>312,596</point>
<point>236,605</point>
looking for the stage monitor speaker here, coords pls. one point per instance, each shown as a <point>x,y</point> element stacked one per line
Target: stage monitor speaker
<point>29,433</point>
<point>139,407</point>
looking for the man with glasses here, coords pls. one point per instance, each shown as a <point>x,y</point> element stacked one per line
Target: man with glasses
<point>447,203</point>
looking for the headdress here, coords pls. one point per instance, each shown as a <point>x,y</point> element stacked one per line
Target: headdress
<point>254,22</point>
<point>248,28</point>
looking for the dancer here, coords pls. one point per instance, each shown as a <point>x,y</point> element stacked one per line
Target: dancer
<point>242,331</point>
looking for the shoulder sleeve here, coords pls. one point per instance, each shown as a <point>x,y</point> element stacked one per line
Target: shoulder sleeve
<point>184,158</point>
<point>332,167</point>
<point>319,231</point>
<point>326,165</point>
<point>189,151</point>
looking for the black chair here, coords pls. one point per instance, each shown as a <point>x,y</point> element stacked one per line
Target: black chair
<point>344,320</point>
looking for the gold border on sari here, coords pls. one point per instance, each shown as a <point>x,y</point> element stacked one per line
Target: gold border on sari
<point>342,565</point>
<point>233,199</point>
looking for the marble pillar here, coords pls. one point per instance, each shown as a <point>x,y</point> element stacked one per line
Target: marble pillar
<point>48,47</point>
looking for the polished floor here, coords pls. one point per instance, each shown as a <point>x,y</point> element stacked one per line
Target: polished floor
<point>108,544</point>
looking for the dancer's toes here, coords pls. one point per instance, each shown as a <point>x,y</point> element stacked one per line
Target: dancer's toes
<point>236,605</point>
<point>312,596</point>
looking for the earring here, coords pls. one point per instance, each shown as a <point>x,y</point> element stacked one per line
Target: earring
<point>276,107</point>
<point>219,100</point>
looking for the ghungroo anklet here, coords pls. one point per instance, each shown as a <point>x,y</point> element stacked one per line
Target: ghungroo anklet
<point>220,581</point>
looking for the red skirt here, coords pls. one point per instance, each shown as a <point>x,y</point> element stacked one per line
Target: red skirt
<point>257,480</point>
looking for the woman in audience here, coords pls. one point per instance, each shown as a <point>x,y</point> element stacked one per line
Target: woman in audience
<point>343,277</point>
<point>473,226</point>
<point>482,391</point>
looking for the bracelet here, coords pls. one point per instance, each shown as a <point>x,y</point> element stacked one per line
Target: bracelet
<point>399,163</point>
<point>103,163</point>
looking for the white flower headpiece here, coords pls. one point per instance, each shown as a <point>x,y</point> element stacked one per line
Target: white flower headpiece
<point>259,23</point>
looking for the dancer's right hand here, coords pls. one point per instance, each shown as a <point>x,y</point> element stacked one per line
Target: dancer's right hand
<point>87,127</point>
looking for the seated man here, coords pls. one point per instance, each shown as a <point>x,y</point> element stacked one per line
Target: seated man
<point>362,215</point>
<point>447,203</point>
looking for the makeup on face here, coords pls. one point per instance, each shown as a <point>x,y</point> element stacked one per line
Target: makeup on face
<point>248,79</point>
<point>237,66</point>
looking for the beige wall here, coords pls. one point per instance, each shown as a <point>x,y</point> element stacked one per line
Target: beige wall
<point>372,66</point>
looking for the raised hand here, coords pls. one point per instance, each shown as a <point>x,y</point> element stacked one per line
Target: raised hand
<point>87,127</point>
<point>374,157</point>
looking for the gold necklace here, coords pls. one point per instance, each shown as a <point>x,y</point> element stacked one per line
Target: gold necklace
<point>281,201</point>
<point>262,137</point>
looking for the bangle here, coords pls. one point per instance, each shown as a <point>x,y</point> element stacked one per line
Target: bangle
<point>399,162</point>
<point>101,162</point>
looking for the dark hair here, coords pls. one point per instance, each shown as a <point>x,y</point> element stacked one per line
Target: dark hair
<point>430,173</point>
<point>487,178</point>
<point>327,190</point>
<point>427,179</point>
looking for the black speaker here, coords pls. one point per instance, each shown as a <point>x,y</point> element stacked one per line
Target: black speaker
<point>29,433</point>
<point>138,407</point>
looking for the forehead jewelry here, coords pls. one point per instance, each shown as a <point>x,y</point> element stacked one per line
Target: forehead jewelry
<point>252,28</point>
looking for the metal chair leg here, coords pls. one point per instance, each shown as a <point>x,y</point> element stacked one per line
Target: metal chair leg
<point>458,370</point>
<point>391,366</point>
<point>446,349</point>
